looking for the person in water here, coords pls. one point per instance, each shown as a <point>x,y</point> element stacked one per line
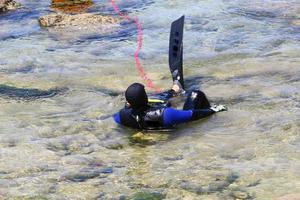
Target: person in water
<point>139,113</point>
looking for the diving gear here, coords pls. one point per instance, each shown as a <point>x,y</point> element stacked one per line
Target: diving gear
<point>149,119</point>
<point>176,50</point>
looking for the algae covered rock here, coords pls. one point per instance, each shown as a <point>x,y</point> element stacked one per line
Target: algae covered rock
<point>80,26</point>
<point>142,138</point>
<point>147,196</point>
<point>83,20</point>
<point>6,5</point>
<point>147,138</point>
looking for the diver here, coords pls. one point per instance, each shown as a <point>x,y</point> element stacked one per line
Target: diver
<point>140,114</point>
<point>157,114</point>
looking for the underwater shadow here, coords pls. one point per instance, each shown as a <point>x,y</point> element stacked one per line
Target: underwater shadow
<point>107,91</point>
<point>195,82</point>
<point>28,93</point>
<point>144,138</point>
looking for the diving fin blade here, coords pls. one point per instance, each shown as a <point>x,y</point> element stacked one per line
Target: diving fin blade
<point>176,50</point>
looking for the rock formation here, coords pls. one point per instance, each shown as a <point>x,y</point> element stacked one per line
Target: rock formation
<point>6,5</point>
<point>81,20</point>
<point>70,20</point>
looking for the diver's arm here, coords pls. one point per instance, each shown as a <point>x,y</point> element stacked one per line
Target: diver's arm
<point>201,113</point>
<point>173,116</point>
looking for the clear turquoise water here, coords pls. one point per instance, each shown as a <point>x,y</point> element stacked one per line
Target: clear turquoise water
<point>242,55</point>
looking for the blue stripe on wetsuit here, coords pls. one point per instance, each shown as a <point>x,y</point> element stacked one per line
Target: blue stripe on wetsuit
<point>172,116</point>
<point>117,118</point>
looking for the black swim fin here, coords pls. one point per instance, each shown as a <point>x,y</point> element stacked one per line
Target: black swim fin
<point>176,50</point>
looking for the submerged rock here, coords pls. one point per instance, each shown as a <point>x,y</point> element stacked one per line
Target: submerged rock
<point>218,185</point>
<point>142,138</point>
<point>173,158</point>
<point>6,5</point>
<point>290,197</point>
<point>114,146</point>
<point>71,6</point>
<point>27,93</point>
<point>194,188</point>
<point>240,194</point>
<point>147,196</point>
<point>87,173</point>
<point>147,138</point>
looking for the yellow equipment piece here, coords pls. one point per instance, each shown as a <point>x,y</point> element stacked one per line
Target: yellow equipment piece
<point>155,101</point>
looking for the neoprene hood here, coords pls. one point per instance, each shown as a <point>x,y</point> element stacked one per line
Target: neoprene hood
<point>136,96</point>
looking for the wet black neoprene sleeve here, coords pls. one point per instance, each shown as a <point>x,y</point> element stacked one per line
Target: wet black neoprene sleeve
<point>201,113</point>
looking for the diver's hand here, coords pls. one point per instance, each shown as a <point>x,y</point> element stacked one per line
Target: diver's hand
<point>219,108</point>
<point>177,88</point>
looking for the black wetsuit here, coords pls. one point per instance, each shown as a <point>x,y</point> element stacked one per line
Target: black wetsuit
<point>164,117</point>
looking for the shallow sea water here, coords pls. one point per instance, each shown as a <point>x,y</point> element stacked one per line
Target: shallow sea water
<point>59,89</point>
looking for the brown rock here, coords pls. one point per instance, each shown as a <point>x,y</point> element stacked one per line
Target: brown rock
<point>69,2</point>
<point>71,6</point>
<point>6,5</point>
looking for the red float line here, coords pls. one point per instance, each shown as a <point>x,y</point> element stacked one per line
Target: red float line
<point>138,64</point>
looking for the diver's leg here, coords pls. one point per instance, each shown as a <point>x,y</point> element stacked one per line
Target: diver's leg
<point>175,61</point>
<point>176,50</point>
<point>196,100</point>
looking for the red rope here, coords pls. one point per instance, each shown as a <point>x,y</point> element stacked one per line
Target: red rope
<point>138,64</point>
